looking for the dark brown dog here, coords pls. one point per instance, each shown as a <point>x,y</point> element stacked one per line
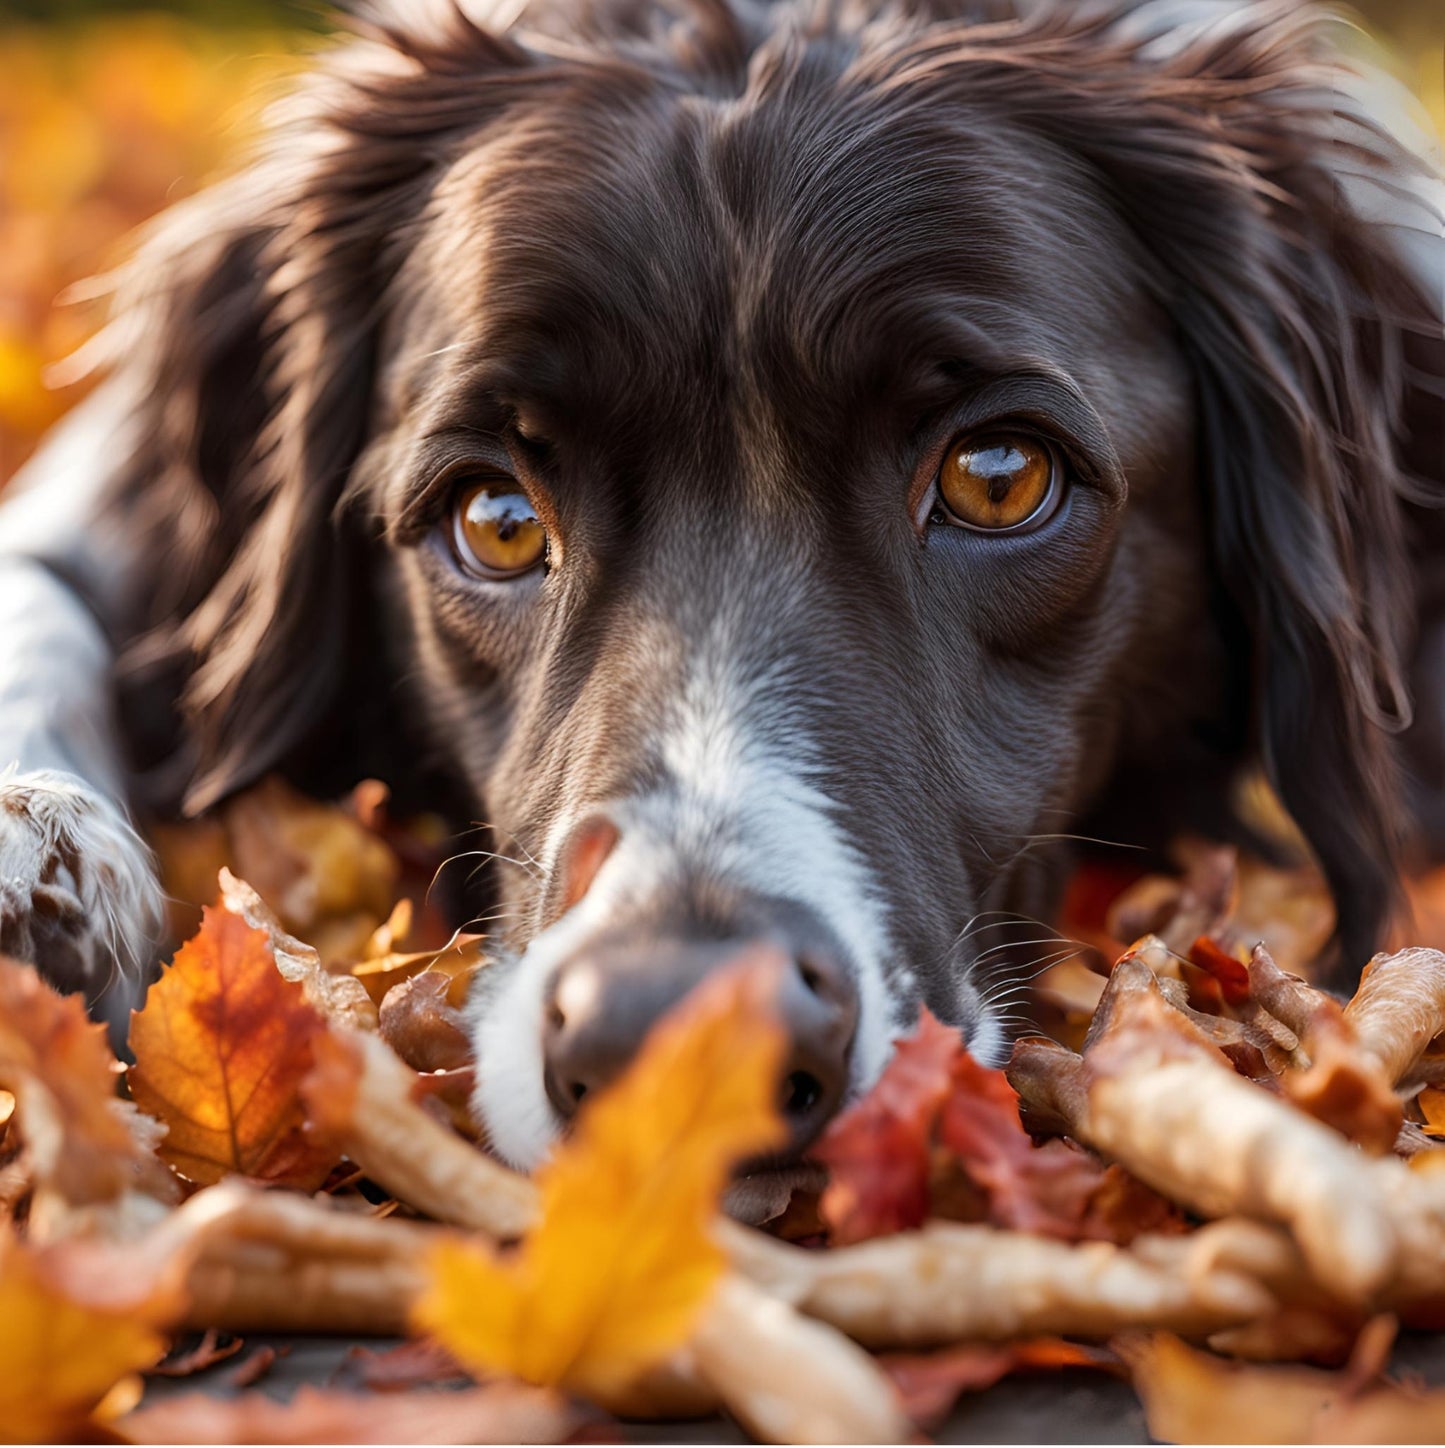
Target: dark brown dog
<point>784,467</point>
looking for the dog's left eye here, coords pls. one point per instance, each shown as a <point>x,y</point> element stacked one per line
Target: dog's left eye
<point>998,482</point>
<point>496,532</point>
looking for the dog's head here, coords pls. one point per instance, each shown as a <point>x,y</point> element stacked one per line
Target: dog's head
<point>793,463</point>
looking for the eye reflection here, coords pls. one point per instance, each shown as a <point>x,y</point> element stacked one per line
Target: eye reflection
<point>496,531</point>
<point>996,482</point>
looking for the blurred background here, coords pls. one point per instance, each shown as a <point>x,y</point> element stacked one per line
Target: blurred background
<point>108,111</point>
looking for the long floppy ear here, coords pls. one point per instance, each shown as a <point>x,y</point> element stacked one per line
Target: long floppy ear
<point>1275,217</point>
<point>248,330</point>
<point>1282,219</point>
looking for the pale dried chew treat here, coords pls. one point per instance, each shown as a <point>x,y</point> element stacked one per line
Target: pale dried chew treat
<point>278,1262</point>
<point>1399,1008</point>
<point>362,1093</point>
<point>788,1379</point>
<point>327,1295</point>
<point>1166,1105</point>
<point>951,1281</point>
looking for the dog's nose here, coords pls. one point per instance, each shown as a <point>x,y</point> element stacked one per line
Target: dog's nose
<point>603,1002</point>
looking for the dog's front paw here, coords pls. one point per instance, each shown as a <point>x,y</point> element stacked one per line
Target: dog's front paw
<point>78,891</point>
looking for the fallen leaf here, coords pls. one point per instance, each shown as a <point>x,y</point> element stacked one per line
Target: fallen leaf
<point>499,1413</point>
<point>221,1046</point>
<point>214,1347</point>
<point>418,1364</point>
<point>458,961</point>
<point>1229,970</point>
<point>885,1175</point>
<point>328,877</point>
<point>1034,1188</point>
<point>60,1355</point>
<point>420,1024</point>
<point>1196,1397</point>
<point>1067,994</point>
<point>623,1261</point>
<point>341,999</point>
<point>1180,910</point>
<point>1291,910</point>
<point>60,1076</point>
<point>1318,1332</point>
<point>256,1365</point>
<point>929,1384</point>
<point>1121,1208</point>
<point>878,1151</point>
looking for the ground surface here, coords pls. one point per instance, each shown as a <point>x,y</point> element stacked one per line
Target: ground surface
<point>1063,1407</point>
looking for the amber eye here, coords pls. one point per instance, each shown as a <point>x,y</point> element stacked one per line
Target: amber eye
<point>496,530</point>
<point>997,481</point>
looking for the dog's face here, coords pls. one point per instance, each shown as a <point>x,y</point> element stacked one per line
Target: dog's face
<point>779,483</point>
<point>801,466</point>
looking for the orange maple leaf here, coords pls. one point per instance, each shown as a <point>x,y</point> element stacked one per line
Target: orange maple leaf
<point>623,1260</point>
<point>221,1046</point>
<point>57,1065</point>
<point>59,1355</point>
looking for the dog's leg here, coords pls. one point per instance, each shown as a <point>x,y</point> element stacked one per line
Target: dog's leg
<point>78,893</point>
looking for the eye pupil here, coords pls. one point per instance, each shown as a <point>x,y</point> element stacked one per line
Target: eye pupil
<point>496,533</point>
<point>997,483</point>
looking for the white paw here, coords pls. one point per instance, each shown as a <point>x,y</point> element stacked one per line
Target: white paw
<point>78,891</point>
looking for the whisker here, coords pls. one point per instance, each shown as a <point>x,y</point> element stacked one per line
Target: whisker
<point>1019,945</point>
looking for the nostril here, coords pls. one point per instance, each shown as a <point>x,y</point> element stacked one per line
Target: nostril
<point>801,1093</point>
<point>578,1090</point>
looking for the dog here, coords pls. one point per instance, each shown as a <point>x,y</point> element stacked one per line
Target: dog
<point>787,468</point>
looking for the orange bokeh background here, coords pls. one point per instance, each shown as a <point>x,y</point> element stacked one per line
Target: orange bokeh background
<point>103,122</point>
<point>101,126</point>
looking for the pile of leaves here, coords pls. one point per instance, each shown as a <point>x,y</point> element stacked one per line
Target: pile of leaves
<point>1214,1179</point>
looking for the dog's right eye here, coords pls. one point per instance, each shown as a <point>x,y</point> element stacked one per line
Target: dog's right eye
<point>496,532</point>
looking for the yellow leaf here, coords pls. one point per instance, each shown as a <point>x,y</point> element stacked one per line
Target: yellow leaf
<point>56,1065</point>
<point>59,1356</point>
<point>221,1048</point>
<point>622,1262</point>
<point>1431,1102</point>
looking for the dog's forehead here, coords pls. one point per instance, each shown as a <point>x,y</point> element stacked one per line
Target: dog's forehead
<point>639,256</point>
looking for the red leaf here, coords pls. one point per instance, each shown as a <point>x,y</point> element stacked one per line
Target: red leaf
<point>420,1363</point>
<point>877,1152</point>
<point>1034,1188</point>
<point>1232,974</point>
<point>933,1093</point>
<point>930,1383</point>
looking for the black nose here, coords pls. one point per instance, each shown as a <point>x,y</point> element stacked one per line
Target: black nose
<point>603,1002</point>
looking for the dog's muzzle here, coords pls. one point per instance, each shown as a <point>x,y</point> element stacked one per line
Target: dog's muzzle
<point>603,998</point>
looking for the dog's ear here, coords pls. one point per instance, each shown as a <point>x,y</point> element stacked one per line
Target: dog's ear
<point>1274,218</point>
<point>247,330</point>
<point>1272,211</point>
